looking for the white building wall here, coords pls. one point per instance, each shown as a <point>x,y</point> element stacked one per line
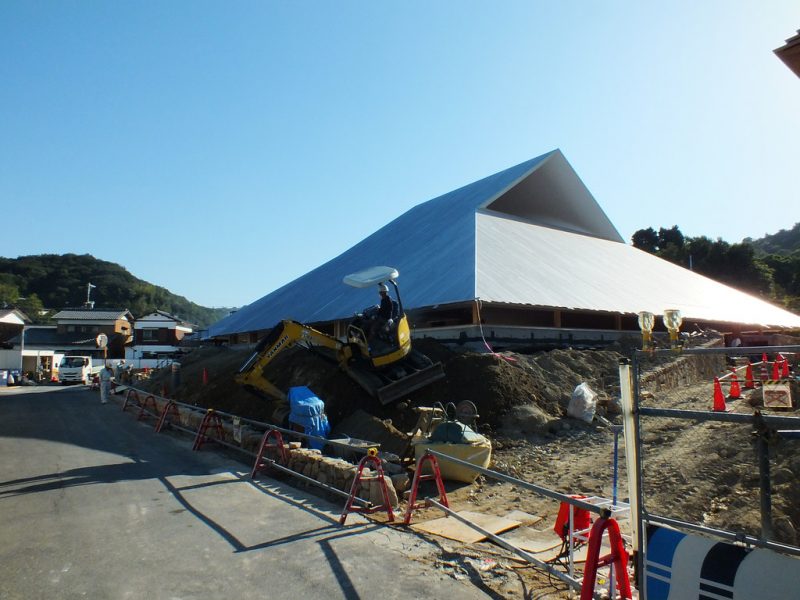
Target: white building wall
<point>134,356</point>
<point>10,359</point>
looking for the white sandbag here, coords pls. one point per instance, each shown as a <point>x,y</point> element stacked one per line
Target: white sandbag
<point>583,403</point>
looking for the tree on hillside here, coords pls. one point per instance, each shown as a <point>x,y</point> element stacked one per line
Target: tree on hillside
<point>786,275</point>
<point>670,237</point>
<point>784,243</point>
<point>646,239</point>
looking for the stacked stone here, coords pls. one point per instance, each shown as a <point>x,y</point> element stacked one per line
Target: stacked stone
<point>334,472</point>
<point>339,473</point>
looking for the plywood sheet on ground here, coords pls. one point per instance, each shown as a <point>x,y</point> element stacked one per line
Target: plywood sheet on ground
<point>546,545</point>
<point>453,529</point>
<point>534,541</point>
<point>523,517</point>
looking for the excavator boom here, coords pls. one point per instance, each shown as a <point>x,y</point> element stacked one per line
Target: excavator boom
<point>282,337</point>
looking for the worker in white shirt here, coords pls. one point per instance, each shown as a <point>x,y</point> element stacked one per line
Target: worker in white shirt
<point>105,383</point>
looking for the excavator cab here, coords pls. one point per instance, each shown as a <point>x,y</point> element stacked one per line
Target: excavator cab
<point>397,368</point>
<point>385,341</point>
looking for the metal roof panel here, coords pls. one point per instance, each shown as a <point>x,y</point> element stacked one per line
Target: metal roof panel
<point>522,263</point>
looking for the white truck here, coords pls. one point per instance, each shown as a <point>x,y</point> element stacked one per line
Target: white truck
<point>77,369</point>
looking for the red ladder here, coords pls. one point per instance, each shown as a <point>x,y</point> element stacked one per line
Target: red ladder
<point>265,445</point>
<point>371,457</point>
<point>210,420</point>
<point>618,557</point>
<point>436,475</point>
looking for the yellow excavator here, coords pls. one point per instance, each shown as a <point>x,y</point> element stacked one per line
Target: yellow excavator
<point>377,352</point>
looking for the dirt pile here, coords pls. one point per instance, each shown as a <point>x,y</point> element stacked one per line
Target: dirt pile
<point>497,384</point>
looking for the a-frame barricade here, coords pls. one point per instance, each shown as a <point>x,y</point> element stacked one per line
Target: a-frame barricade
<point>266,445</point>
<point>131,392</point>
<point>370,458</point>
<point>212,421</point>
<point>149,402</point>
<point>435,475</point>
<point>618,557</point>
<point>170,410</point>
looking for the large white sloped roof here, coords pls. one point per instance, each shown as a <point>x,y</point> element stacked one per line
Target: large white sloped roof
<point>521,263</point>
<point>530,235</point>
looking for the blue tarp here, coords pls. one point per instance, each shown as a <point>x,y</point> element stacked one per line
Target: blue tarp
<point>308,411</point>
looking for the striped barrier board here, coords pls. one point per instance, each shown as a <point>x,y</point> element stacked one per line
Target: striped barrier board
<point>680,566</point>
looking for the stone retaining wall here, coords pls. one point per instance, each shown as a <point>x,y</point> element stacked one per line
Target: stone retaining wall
<point>334,472</point>
<point>684,371</point>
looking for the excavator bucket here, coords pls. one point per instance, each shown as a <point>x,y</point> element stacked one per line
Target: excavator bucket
<point>416,380</point>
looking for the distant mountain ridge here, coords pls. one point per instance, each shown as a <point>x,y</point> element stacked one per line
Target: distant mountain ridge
<point>784,243</point>
<point>56,281</point>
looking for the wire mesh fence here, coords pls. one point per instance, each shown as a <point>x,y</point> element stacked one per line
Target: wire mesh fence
<point>713,443</point>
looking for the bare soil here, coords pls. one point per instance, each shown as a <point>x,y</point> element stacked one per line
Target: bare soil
<point>703,473</point>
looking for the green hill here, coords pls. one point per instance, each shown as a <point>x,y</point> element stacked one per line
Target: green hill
<point>784,243</point>
<point>56,281</point>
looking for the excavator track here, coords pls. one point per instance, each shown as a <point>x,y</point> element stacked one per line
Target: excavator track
<point>416,380</point>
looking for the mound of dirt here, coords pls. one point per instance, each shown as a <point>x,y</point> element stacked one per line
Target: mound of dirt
<point>495,383</point>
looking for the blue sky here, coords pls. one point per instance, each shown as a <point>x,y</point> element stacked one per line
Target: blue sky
<point>223,149</point>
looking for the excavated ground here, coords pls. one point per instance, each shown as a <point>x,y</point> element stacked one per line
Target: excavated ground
<point>704,473</point>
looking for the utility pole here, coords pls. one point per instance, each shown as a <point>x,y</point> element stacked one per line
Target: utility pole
<point>22,348</point>
<point>89,303</point>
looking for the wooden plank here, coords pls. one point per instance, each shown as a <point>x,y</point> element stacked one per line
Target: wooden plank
<point>523,517</point>
<point>453,529</point>
<point>546,545</point>
<point>578,557</point>
<point>534,541</point>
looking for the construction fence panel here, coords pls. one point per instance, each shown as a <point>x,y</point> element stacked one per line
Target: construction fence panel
<point>717,469</point>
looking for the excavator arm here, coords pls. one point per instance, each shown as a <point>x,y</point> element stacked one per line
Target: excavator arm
<point>282,337</point>
<point>387,375</point>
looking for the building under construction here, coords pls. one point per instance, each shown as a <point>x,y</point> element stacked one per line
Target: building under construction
<point>524,256</point>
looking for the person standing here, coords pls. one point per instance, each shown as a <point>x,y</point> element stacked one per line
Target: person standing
<point>105,383</point>
<point>120,368</point>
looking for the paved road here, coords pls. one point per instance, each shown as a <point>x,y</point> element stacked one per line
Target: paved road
<point>94,504</point>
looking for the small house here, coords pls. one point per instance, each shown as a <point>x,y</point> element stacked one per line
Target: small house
<point>157,339</point>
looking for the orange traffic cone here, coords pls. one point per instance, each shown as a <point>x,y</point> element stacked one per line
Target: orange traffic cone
<point>764,375</point>
<point>205,376</point>
<point>785,369</point>
<point>776,369</point>
<point>719,399</point>
<point>749,382</point>
<point>736,391</point>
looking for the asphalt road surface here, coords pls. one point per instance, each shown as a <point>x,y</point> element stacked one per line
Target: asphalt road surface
<point>94,504</point>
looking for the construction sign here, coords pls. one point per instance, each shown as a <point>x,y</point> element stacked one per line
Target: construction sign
<point>777,393</point>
